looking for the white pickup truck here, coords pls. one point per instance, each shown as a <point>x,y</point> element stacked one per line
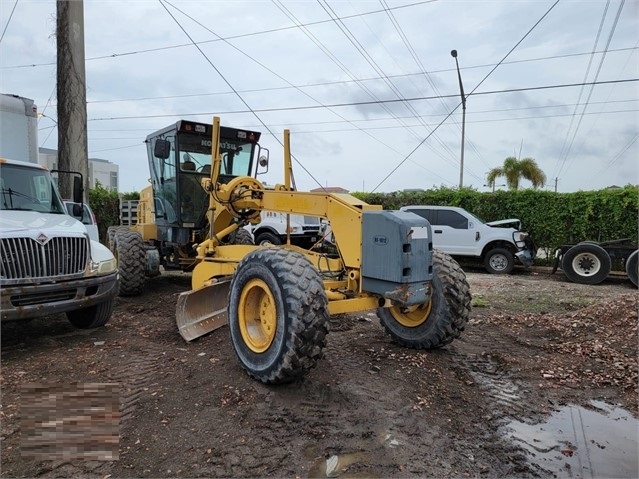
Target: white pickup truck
<point>304,231</point>
<point>48,263</point>
<point>459,233</point>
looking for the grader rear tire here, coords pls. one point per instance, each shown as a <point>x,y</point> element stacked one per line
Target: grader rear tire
<point>241,236</point>
<point>128,248</point>
<point>111,232</point>
<point>278,315</point>
<point>437,322</point>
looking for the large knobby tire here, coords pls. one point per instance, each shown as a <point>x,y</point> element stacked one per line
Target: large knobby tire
<point>128,248</point>
<point>278,315</point>
<point>91,317</point>
<point>499,261</point>
<point>111,231</point>
<point>442,319</point>
<point>631,267</point>
<point>267,238</point>
<point>241,236</point>
<point>586,263</point>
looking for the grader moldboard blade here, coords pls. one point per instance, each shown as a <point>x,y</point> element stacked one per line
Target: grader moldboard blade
<point>202,310</point>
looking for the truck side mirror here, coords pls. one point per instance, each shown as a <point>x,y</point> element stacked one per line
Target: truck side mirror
<point>162,149</point>
<point>77,190</point>
<point>77,210</point>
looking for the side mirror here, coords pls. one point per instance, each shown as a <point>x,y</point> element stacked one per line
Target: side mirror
<point>262,161</point>
<point>77,210</point>
<point>78,192</point>
<point>162,149</point>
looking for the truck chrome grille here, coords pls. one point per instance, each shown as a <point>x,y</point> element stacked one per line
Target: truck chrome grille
<point>23,258</point>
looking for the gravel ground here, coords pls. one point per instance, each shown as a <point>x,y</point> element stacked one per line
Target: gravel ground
<point>535,343</point>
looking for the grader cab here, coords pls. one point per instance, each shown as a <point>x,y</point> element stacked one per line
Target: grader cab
<point>172,211</point>
<point>277,299</point>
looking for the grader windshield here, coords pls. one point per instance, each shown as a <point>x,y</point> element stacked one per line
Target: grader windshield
<point>178,171</point>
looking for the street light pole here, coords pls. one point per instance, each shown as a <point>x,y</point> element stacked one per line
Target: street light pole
<point>453,53</point>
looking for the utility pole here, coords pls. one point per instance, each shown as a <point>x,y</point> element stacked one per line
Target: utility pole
<point>71,92</point>
<point>556,180</point>
<point>453,53</point>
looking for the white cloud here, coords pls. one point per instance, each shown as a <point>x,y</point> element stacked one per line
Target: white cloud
<point>329,144</point>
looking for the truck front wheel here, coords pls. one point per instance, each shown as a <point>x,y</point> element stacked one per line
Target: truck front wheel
<point>267,238</point>
<point>91,317</point>
<point>499,261</point>
<point>586,263</point>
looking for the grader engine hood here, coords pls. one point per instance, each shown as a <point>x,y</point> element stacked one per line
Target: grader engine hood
<point>396,256</point>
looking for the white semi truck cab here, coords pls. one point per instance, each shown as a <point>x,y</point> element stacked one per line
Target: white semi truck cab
<point>48,264</point>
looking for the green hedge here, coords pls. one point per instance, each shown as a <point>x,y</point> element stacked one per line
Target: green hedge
<point>552,219</point>
<point>106,207</point>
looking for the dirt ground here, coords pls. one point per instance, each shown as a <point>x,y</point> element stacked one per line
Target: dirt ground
<point>535,343</point>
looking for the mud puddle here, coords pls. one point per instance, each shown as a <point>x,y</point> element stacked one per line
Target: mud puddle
<point>581,442</point>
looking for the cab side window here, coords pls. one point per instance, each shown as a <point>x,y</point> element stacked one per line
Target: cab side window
<point>428,215</point>
<point>452,219</point>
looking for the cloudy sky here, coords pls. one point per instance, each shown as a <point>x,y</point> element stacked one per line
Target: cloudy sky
<point>368,89</point>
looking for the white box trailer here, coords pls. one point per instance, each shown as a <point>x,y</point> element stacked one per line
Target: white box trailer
<point>19,126</point>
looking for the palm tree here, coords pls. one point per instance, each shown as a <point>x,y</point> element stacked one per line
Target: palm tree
<point>514,170</point>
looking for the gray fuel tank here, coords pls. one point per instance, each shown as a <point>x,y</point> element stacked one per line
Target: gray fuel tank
<point>396,256</point>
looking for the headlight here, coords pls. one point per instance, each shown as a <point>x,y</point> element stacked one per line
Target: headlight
<point>102,267</point>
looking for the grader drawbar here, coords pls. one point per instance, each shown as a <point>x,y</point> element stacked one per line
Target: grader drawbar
<point>277,300</point>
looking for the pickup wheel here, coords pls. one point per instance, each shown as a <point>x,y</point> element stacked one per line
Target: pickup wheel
<point>91,317</point>
<point>278,315</point>
<point>267,238</point>
<point>631,267</point>
<point>586,263</point>
<point>128,248</point>
<point>437,322</point>
<point>499,261</point>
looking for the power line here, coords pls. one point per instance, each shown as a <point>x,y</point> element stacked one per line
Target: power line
<point>286,81</point>
<point>333,105</point>
<point>581,90</point>
<point>621,152</point>
<point>612,32</point>
<point>371,61</point>
<point>340,82</point>
<point>231,86</point>
<point>472,91</point>
<point>232,37</point>
<point>377,128</point>
<point>8,20</point>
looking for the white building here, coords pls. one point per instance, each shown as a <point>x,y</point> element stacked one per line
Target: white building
<point>102,171</point>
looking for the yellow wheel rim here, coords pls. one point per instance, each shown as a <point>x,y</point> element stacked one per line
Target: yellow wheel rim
<point>257,316</point>
<point>413,316</point>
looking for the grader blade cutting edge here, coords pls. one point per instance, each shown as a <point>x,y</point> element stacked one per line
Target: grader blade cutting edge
<point>202,310</point>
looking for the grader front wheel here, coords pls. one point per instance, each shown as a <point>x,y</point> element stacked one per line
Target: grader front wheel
<point>278,315</point>
<point>442,319</point>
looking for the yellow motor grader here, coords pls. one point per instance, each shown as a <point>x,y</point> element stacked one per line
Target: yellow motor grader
<point>277,300</point>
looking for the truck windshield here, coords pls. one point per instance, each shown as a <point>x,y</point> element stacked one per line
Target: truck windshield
<point>195,155</point>
<point>28,189</point>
